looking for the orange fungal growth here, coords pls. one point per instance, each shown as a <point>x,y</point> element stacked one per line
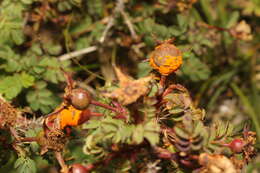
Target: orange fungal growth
<point>69,117</point>
<point>166,58</point>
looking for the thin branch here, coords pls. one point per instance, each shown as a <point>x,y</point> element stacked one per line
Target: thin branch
<point>118,9</point>
<point>73,54</point>
<point>129,24</point>
<point>121,7</point>
<point>109,25</point>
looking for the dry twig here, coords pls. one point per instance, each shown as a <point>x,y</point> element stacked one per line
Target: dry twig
<point>77,53</point>
<point>119,9</point>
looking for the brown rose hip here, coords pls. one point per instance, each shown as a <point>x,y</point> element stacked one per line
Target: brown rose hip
<point>80,98</point>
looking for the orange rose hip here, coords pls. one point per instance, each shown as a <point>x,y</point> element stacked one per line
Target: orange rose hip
<point>166,58</point>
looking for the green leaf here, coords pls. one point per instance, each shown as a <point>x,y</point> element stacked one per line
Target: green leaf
<point>92,124</point>
<point>27,2</point>
<point>81,26</point>
<point>18,162</point>
<point>138,135</point>
<point>10,86</point>
<point>182,21</point>
<point>233,19</point>
<point>64,6</point>
<point>45,109</point>
<point>194,69</point>
<point>208,10</point>
<point>152,137</point>
<point>35,48</point>
<point>31,96</point>
<point>82,42</point>
<point>42,99</point>
<point>38,69</point>
<point>25,165</point>
<point>143,69</point>
<point>180,132</point>
<point>151,132</point>
<point>52,48</point>
<point>18,37</point>
<point>95,7</point>
<point>27,80</point>
<point>41,85</point>
<point>44,93</point>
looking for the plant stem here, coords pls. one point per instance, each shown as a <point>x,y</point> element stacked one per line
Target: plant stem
<point>103,105</point>
<point>71,55</point>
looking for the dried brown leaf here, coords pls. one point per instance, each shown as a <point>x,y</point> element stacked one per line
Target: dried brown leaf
<point>215,163</point>
<point>241,31</point>
<point>129,89</point>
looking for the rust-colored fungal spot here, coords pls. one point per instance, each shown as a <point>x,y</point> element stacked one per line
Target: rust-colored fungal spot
<point>69,117</point>
<point>166,58</point>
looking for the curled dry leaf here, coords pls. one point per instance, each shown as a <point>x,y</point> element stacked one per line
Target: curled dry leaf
<point>215,163</point>
<point>129,89</point>
<point>241,31</point>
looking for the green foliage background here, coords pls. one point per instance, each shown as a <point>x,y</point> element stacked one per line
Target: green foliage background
<point>218,68</point>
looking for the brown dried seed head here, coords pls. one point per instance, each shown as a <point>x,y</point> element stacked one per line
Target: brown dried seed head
<point>54,140</point>
<point>8,114</point>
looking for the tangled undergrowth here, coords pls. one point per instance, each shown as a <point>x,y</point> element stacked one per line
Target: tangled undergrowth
<point>137,125</point>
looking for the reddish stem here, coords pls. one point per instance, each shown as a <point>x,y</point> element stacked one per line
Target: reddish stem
<point>162,81</point>
<point>213,27</point>
<point>173,87</point>
<point>28,139</point>
<point>103,105</point>
<point>120,117</point>
<point>96,114</point>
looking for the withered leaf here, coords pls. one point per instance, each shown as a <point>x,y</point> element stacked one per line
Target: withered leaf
<point>241,31</point>
<point>129,89</point>
<point>214,163</point>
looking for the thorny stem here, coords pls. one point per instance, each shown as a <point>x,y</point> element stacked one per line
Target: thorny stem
<point>56,112</point>
<point>14,133</point>
<point>118,109</point>
<point>70,82</point>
